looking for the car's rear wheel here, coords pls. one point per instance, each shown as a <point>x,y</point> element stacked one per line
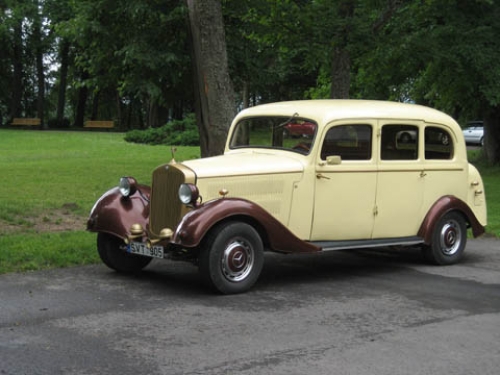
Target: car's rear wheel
<point>232,257</point>
<point>481,141</point>
<point>448,240</point>
<point>112,251</point>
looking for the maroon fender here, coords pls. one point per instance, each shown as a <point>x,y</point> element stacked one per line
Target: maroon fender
<point>115,214</point>
<point>196,224</point>
<point>442,206</point>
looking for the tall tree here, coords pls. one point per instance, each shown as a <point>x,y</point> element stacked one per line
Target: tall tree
<point>17,63</point>
<point>39,49</point>
<point>445,54</point>
<point>215,104</point>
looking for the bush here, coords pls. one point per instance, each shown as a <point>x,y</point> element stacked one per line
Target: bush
<point>54,124</point>
<point>175,133</point>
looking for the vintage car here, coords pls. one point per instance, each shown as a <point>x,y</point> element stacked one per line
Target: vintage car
<point>352,185</point>
<point>299,129</point>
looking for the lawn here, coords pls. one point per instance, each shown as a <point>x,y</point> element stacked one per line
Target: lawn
<point>51,180</point>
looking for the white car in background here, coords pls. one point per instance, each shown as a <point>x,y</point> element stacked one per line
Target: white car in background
<point>474,133</point>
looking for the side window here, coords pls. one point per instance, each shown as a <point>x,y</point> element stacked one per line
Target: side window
<point>399,142</point>
<point>438,144</point>
<point>350,142</point>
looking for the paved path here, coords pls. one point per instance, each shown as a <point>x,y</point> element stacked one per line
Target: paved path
<point>337,313</point>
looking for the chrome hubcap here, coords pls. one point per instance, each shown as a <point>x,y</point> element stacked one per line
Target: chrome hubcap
<point>450,238</point>
<point>237,260</point>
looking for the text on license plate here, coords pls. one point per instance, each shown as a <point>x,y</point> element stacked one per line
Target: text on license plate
<point>142,249</point>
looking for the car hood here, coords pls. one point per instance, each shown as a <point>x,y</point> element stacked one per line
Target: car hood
<point>244,164</point>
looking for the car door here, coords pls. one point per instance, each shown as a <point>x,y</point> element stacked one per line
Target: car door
<point>346,177</point>
<point>400,181</point>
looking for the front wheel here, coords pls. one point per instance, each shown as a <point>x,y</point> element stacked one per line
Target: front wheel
<point>232,257</point>
<point>112,251</point>
<point>448,240</point>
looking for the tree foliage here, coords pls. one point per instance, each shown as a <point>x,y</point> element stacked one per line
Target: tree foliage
<point>129,60</point>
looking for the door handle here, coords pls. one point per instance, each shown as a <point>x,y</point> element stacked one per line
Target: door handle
<point>320,176</point>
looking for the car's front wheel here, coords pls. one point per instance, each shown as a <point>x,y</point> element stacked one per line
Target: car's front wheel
<point>448,240</point>
<point>112,251</point>
<point>232,257</point>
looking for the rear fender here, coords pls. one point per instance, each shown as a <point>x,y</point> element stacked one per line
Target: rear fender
<point>198,222</point>
<point>441,207</point>
<point>115,214</point>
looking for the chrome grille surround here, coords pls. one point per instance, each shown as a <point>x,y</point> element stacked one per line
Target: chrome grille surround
<point>166,210</point>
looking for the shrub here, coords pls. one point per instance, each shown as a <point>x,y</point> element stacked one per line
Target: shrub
<point>53,123</point>
<point>175,133</point>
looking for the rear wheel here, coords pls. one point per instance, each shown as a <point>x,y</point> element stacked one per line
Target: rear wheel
<point>112,251</point>
<point>448,240</point>
<point>232,257</point>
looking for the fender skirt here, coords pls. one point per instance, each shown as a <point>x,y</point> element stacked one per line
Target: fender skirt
<point>276,237</point>
<point>443,206</point>
<point>115,214</point>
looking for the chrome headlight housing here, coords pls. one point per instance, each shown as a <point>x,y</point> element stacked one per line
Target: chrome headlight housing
<point>127,186</point>
<point>188,194</point>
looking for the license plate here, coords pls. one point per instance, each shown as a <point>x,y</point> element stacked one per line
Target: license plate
<point>142,249</point>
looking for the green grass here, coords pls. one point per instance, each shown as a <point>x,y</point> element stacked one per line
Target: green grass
<point>50,174</point>
<point>36,251</point>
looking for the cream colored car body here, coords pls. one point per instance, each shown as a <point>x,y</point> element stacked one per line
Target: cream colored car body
<point>319,200</point>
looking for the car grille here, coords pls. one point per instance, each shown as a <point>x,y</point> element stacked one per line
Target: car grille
<point>166,209</point>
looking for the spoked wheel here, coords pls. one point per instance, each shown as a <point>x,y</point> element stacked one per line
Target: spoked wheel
<point>448,240</point>
<point>112,251</point>
<point>232,258</point>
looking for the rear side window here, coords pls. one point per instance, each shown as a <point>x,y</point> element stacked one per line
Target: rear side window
<point>350,142</point>
<point>399,142</point>
<point>438,144</point>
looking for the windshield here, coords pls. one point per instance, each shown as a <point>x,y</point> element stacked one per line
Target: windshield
<point>289,133</point>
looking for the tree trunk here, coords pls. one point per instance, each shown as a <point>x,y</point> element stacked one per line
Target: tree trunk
<point>492,135</point>
<point>153,114</point>
<point>341,74</point>
<point>341,59</point>
<point>82,102</point>
<point>63,78</point>
<point>17,81</point>
<point>119,112</point>
<point>246,95</point>
<point>214,95</point>
<point>40,72</point>
<point>95,105</point>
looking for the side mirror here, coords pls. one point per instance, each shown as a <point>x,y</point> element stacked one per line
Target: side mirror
<point>333,160</point>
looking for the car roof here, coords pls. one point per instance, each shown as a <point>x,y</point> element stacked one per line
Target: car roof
<point>327,110</point>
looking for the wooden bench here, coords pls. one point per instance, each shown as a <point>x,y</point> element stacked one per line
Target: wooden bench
<point>99,124</point>
<point>26,122</point>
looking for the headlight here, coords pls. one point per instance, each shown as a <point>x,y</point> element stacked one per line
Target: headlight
<point>188,193</point>
<point>128,186</point>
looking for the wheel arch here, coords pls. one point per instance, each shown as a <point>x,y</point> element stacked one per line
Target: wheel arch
<point>114,214</point>
<point>275,236</point>
<point>443,206</point>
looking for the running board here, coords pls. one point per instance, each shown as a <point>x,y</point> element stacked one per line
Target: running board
<point>362,244</point>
